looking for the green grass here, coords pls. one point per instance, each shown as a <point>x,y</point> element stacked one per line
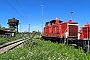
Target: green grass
<point>5,40</point>
<point>45,50</point>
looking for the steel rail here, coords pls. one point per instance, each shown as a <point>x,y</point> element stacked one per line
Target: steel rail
<point>10,45</point>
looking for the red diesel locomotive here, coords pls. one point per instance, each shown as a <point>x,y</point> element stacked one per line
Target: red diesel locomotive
<point>65,31</point>
<point>61,30</point>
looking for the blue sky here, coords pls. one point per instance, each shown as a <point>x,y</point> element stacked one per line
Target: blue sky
<point>52,9</point>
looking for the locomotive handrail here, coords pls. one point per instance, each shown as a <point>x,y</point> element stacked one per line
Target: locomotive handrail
<point>73,24</point>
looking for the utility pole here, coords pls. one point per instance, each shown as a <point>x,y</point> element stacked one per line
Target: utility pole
<point>42,18</point>
<point>0,25</point>
<point>88,30</point>
<point>29,30</point>
<point>71,15</point>
<point>20,27</point>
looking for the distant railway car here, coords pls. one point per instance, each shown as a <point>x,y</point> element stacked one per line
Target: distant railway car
<point>86,31</point>
<point>84,41</point>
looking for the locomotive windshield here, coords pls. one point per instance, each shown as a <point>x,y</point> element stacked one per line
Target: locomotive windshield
<point>46,23</point>
<point>52,22</point>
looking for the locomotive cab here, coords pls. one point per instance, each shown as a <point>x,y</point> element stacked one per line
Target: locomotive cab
<point>46,28</point>
<point>56,27</point>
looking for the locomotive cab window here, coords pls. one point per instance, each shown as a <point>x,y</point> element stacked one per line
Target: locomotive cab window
<point>52,22</point>
<point>46,23</point>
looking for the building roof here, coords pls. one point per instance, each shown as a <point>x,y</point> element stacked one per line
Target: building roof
<point>8,29</point>
<point>3,32</point>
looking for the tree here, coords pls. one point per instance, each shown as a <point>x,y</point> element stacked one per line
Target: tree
<point>1,26</point>
<point>38,33</point>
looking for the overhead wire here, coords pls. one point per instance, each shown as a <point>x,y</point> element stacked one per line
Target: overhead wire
<point>11,1</point>
<point>15,9</point>
<point>22,9</point>
<point>24,14</point>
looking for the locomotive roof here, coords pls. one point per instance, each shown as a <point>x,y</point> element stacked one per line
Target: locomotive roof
<point>72,22</point>
<point>55,21</point>
<point>87,25</point>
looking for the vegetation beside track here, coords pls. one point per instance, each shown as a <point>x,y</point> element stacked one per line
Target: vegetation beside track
<point>37,49</point>
<point>9,39</point>
<point>5,40</point>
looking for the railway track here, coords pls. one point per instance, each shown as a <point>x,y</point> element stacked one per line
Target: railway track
<point>10,45</point>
